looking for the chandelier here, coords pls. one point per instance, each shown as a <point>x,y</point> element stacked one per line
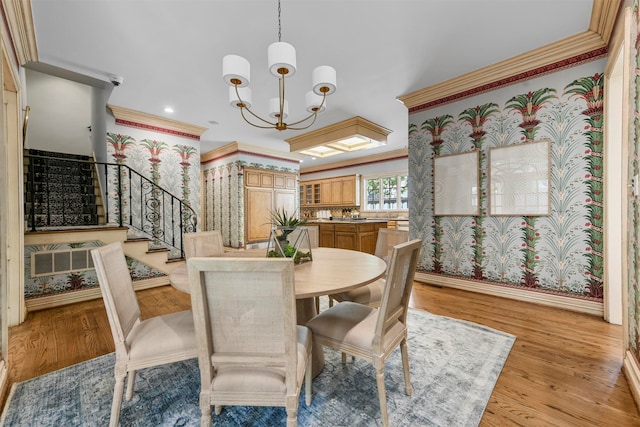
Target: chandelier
<point>282,63</point>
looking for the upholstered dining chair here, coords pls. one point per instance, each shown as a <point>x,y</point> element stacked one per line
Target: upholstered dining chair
<point>139,343</point>
<point>373,333</point>
<point>250,350</point>
<point>371,294</point>
<point>203,243</point>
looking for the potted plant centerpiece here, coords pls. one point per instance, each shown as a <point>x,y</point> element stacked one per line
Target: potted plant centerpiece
<point>288,238</point>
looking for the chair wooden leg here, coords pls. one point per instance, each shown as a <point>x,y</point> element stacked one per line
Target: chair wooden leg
<point>308,378</point>
<point>382,395</point>
<point>405,365</point>
<point>317,300</point>
<point>205,411</point>
<point>292,412</point>
<point>116,404</point>
<point>292,419</point>
<point>130,382</point>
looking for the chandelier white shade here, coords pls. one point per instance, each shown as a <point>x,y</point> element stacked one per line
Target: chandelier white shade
<point>274,109</point>
<point>235,96</point>
<point>324,80</point>
<point>314,102</point>
<point>236,72</point>
<point>282,59</point>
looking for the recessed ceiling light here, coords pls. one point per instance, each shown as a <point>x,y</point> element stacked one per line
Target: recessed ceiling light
<point>168,110</point>
<point>213,122</point>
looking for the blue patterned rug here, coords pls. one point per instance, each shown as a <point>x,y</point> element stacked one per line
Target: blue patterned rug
<point>454,367</point>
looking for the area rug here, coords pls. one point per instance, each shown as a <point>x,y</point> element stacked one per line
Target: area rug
<point>454,368</point>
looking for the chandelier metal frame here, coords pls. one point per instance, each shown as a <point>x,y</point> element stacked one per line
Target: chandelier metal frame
<point>282,63</point>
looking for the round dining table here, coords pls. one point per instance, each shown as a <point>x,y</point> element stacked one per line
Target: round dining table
<point>331,271</point>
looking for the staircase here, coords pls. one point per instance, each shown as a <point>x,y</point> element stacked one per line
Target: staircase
<point>65,214</point>
<point>61,190</point>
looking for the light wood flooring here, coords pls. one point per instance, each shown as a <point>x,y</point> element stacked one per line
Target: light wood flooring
<point>564,368</point>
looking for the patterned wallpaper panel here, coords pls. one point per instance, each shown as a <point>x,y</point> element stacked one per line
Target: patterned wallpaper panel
<point>633,208</point>
<point>173,166</point>
<point>223,192</point>
<point>559,253</point>
<point>51,284</point>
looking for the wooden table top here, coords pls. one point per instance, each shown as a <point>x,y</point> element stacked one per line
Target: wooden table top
<point>331,271</point>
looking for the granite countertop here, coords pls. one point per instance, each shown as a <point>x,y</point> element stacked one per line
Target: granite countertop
<point>347,220</point>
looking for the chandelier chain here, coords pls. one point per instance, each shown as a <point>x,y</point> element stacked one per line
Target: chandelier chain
<point>279,24</point>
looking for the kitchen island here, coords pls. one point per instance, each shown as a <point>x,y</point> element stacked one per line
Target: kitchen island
<point>346,233</point>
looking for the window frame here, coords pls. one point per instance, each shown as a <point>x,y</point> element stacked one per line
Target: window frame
<point>364,195</point>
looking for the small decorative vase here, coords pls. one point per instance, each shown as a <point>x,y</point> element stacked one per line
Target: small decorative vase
<point>290,242</point>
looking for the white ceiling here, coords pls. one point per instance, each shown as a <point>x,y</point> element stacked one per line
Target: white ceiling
<point>169,52</point>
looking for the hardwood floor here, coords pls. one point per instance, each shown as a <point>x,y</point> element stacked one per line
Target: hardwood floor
<point>564,368</point>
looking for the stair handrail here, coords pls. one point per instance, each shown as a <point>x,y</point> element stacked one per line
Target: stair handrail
<point>187,221</point>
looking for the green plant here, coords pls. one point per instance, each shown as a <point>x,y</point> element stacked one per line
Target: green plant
<point>281,218</point>
<point>289,251</point>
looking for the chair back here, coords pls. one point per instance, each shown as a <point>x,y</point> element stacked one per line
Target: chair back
<point>116,286</point>
<point>387,239</point>
<point>312,230</point>
<point>314,234</point>
<point>397,290</point>
<point>245,314</point>
<point>203,244</point>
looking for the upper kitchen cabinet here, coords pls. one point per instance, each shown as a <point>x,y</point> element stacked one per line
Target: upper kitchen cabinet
<point>338,191</point>
<point>310,193</point>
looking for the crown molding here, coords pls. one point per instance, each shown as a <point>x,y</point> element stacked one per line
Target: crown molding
<point>236,147</point>
<point>590,43</point>
<point>19,19</point>
<point>337,131</point>
<point>132,117</point>
<point>373,158</point>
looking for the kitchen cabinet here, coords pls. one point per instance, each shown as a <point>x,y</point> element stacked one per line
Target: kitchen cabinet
<point>310,193</point>
<point>354,235</point>
<point>339,191</point>
<point>349,190</point>
<point>265,192</point>
<point>327,234</point>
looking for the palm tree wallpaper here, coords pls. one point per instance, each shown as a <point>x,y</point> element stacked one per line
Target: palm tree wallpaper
<point>223,191</point>
<point>633,208</point>
<point>560,253</point>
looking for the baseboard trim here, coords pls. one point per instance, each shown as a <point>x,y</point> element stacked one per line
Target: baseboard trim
<point>632,372</point>
<point>568,303</point>
<point>51,301</point>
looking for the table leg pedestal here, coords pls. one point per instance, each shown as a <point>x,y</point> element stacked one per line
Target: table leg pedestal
<point>305,310</point>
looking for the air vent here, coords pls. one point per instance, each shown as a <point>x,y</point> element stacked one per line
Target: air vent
<point>61,261</point>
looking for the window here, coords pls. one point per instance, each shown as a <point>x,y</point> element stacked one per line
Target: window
<point>386,193</point>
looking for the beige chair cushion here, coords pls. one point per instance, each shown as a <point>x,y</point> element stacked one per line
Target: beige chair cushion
<point>164,335</point>
<point>351,323</point>
<point>243,379</point>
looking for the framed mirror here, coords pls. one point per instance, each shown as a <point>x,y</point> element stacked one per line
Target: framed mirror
<point>455,179</point>
<point>519,179</point>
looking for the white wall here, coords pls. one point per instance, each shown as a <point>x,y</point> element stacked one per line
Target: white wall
<point>60,114</point>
